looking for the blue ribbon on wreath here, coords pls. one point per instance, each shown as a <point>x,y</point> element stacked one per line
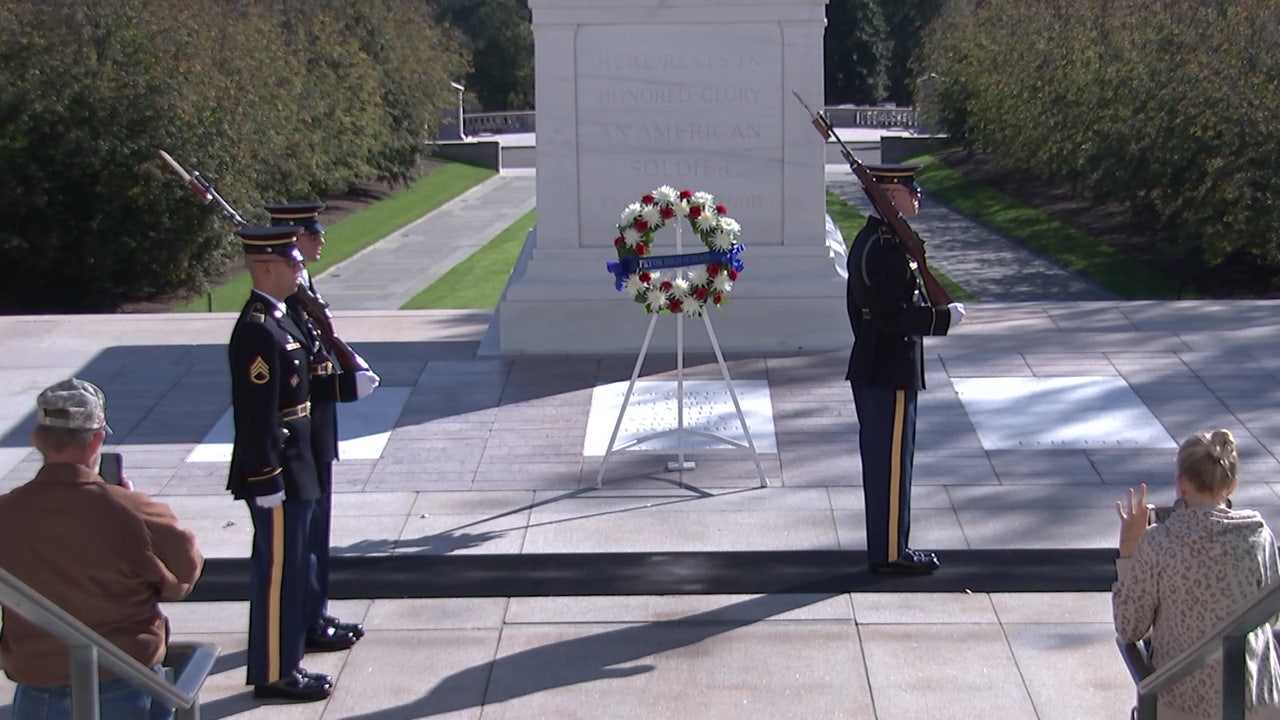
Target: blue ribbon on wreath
<point>624,268</point>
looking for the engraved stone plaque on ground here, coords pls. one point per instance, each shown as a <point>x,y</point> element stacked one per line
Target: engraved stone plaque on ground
<point>1078,413</point>
<point>708,407</point>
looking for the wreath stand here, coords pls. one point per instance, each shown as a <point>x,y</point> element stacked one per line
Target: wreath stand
<point>680,431</point>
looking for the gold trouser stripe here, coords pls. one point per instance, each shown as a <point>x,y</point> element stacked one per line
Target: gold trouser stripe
<point>274,591</point>
<point>895,471</point>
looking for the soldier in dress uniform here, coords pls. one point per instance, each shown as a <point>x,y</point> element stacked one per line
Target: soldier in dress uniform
<point>272,465</point>
<point>890,313</point>
<point>329,386</point>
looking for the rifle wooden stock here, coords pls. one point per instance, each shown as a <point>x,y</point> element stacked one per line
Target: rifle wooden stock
<point>933,289</point>
<point>202,188</point>
<point>313,306</point>
<point>320,315</point>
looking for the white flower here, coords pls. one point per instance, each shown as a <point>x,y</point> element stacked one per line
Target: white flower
<point>704,198</point>
<point>652,214</point>
<point>635,285</point>
<point>682,208</point>
<point>722,240</point>
<point>630,213</point>
<point>656,301</point>
<point>680,288</point>
<point>697,276</point>
<point>691,307</point>
<point>707,221</point>
<point>666,195</point>
<point>723,283</point>
<point>730,225</point>
<point>631,237</point>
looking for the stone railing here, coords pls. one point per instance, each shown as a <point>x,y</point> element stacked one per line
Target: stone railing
<point>873,117</point>
<point>499,123</point>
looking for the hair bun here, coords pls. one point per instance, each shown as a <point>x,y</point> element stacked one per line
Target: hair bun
<point>1221,445</point>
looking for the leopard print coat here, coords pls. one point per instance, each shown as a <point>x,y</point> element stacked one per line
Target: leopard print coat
<point>1188,574</point>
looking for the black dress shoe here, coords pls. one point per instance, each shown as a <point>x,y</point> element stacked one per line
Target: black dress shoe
<point>317,676</point>
<point>327,639</point>
<point>912,562</point>
<point>295,687</point>
<point>348,627</point>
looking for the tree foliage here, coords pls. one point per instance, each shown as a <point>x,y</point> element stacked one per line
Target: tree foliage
<point>272,100</point>
<point>1166,105</point>
<point>906,21</point>
<point>856,52</point>
<point>499,36</point>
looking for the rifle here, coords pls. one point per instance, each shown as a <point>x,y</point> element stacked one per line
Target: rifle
<point>914,246</point>
<point>203,189</point>
<point>312,305</point>
<point>318,311</point>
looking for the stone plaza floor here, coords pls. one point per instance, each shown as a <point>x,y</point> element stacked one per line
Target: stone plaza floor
<point>1037,417</point>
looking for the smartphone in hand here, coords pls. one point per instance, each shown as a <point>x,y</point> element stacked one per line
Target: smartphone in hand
<point>111,469</point>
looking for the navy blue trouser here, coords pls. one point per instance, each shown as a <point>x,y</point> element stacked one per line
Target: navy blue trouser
<point>278,589</point>
<point>887,442</point>
<point>318,540</point>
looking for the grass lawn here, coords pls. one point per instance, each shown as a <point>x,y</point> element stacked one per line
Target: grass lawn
<point>1073,249</point>
<point>478,281</point>
<point>850,221</point>
<point>360,230</point>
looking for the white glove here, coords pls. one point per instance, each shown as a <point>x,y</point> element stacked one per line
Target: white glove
<point>366,382</point>
<point>266,502</point>
<point>957,313</point>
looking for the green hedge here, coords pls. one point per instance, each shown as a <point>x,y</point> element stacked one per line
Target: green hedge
<point>1166,106</point>
<point>271,101</point>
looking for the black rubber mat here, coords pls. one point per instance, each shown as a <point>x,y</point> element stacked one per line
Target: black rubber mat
<point>681,573</point>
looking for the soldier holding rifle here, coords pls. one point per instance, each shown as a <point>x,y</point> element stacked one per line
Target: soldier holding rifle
<point>893,301</point>
<point>337,375</point>
<point>330,372</point>
<point>890,312</point>
<point>272,465</point>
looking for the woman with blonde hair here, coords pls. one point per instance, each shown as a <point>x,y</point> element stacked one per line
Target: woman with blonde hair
<point>1180,578</point>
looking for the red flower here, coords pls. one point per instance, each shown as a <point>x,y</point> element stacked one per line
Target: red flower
<point>617,242</point>
<point>666,285</point>
<point>721,209</point>
<point>701,294</point>
<point>733,274</point>
<point>675,306</point>
<point>717,298</point>
<point>647,200</point>
<point>645,276</point>
<point>695,212</point>
<point>642,249</point>
<point>668,212</point>
<point>686,194</point>
<point>642,226</point>
<point>713,270</point>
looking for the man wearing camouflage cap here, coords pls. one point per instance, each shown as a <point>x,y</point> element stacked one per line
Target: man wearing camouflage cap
<point>104,553</point>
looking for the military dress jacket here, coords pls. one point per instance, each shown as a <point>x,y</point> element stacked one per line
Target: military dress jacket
<point>888,311</point>
<point>329,384</point>
<point>270,399</point>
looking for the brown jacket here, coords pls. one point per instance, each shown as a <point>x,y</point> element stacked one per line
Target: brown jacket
<point>105,554</point>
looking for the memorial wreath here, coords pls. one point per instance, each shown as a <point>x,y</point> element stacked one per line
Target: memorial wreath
<point>711,275</point>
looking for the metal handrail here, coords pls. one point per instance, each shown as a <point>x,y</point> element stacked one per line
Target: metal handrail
<point>1229,636</point>
<point>88,649</point>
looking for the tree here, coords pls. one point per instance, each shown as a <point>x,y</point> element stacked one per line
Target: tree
<point>1162,105</point>
<point>499,36</point>
<point>283,100</point>
<point>856,52</point>
<point>906,21</point>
